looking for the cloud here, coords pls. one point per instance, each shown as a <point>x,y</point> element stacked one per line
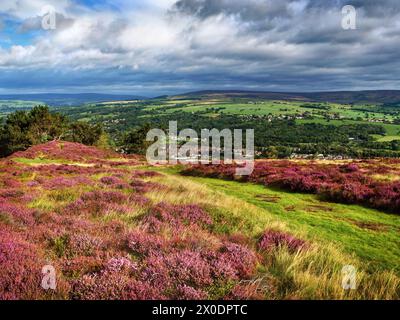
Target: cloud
<point>156,46</point>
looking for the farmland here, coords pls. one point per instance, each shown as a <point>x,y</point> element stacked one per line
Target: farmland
<point>9,106</point>
<point>283,128</point>
<point>379,122</point>
<point>115,228</point>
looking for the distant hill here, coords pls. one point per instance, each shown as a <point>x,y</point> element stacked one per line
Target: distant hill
<point>373,96</point>
<point>61,99</point>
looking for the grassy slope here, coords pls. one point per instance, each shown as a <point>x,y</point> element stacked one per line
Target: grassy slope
<point>314,274</point>
<point>371,235</point>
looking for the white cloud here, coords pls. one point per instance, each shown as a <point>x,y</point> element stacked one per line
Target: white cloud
<point>24,9</point>
<point>227,39</point>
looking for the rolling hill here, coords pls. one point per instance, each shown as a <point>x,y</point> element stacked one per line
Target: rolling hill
<point>113,227</point>
<point>373,96</point>
<point>62,99</point>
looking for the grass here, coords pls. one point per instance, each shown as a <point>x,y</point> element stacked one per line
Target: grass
<point>338,235</point>
<point>371,235</point>
<point>337,240</point>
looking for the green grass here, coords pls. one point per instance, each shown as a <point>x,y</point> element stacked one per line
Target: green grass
<point>388,138</point>
<point>371,235</point>
<point>39,161</point>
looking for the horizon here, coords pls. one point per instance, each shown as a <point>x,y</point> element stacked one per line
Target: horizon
<point>155,48</point>
<point>190,92</point>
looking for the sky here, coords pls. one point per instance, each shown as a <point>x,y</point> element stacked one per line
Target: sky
<point>156,47</point>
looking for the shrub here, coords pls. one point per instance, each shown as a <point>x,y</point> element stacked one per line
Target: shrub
<point>143,243</point>
<point>20,268</point>
<point>240,258</point>
<point>272,239</point>
<point>176,217</point>
<point>114,182</point>
<point>18,214</point>
<point>143,187</point>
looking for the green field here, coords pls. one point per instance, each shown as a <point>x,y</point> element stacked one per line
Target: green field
<point>320,113</point>
<point>9,106</point>
<point>359,128</point>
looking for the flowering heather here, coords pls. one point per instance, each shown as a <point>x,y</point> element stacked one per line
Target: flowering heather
<point>176,217</point>
<point>7,181</point>
<point>240,258</point>
<point>75,267</point>
<point>189,267</point>
<point>105,196</point>
<point>272,239</point>
<point>139,200</point>
<point>143,187</point>
<point>121,264</point>
<point>12,194</point>
<point>96,203</point>
<point>62,182</point>
<point>20,268</point>
<point>100,286</point>
<point>171,271</point>
<point>114,182</point>
<point>114,282</point>
<point>145,174</point>
<point>64,150</point>
<point>143,243</point>
<point>184,292</point>
<point>348,168</point>
<point>349,183</point>
<point>16,214</point>
<point>84,244</point>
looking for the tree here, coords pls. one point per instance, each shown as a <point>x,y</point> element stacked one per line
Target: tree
<point>23,129</point>
<point>134,141</point>
<point>86,133</point>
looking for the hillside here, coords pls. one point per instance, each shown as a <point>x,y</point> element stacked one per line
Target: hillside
<point>65,99</point>
<point>373,96</point>
<point>114,228</point>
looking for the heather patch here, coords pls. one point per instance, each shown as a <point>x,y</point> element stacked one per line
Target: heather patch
<point>20,268</point>
<point>96,203</point>
<point>63,182</point>
<point>114,282</point>
<point>349,183</point>
<point>67,151</point>
<point>16,214</point>
<point>143,187</point>
<point>175,217</point>
<point>114,182</point>
<point>145,174</point>
<point>272,239</point>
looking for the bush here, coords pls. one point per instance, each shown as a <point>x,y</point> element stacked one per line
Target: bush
<point>272,239</point>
